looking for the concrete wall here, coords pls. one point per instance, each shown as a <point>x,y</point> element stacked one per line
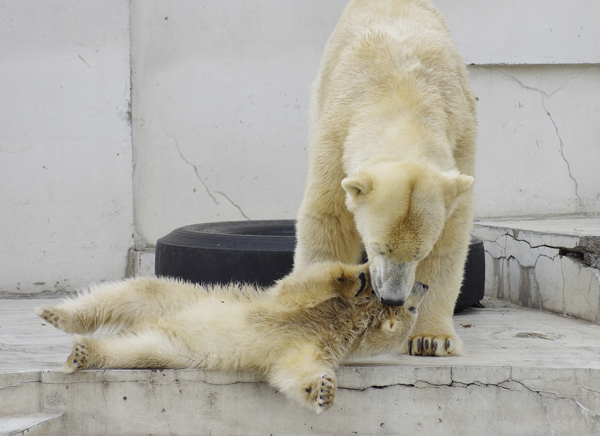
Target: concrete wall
<point>220,105</point>
<point>219,97</point>
<point>66,217</point>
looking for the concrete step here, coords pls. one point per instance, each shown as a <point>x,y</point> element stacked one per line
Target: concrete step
<point>40,424</point>
<point>529,372</point>
<point>550,264</point>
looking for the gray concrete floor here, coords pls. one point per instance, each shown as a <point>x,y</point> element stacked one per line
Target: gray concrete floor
<point>499,335</point>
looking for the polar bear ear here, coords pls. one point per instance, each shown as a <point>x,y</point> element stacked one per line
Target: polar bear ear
<point>463,183</point>
<point>457,185</point>
<point>357,185</point>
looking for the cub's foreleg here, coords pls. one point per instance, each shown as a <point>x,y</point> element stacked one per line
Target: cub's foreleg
<point>336,280</point>
<point>119,305</point>
<point>303,375</point>
<point>147,349</point>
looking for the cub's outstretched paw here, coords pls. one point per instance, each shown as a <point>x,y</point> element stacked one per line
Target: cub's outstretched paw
<point>322,393</point>
<point>78,359</point>
<point>429,345</point>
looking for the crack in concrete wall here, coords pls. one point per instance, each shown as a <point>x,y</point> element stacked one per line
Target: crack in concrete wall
<point>531,269</point>
<point>235,205</point>
<point>545,95</point>
<point>193,166</point>
<point>587,252</point>
<point>503,248</point>
<point>208,191</point>
<point>507,385</point>
<point>562,153</point>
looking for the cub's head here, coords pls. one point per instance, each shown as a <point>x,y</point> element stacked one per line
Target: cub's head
<point>403,319</point>
<point>400,211</point>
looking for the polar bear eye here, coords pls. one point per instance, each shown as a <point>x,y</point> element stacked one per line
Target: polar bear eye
<point>340,279</point>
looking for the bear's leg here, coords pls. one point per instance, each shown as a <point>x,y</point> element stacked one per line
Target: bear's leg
<point>442,270</point>
<point>119,304</point>
<point>301,374</point>
<point>325,229</point>
<point>147,349</point>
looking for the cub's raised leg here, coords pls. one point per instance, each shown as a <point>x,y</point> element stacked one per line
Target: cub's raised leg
<point>336,280</point>
<point>119,305</point>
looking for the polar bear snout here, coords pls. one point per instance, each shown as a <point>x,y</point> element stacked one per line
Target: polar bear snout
<point>392,282</point>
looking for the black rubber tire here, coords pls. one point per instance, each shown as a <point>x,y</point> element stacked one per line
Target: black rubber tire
<point>473,285</point>
<point>262,252</point>
<point>259,252</point>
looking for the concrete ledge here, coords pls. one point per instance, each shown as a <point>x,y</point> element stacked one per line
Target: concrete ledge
<point>549,264</point>
<point>41,424</point>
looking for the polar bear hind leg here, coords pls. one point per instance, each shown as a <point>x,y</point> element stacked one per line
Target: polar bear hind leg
<point>146,349</point>
<point>118,305</point>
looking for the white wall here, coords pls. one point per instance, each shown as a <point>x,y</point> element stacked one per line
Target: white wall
<point>65,144</point>
<point>219,95</point>
<point>220,104</point>
<point>539,140</point>
<point>525,31</point>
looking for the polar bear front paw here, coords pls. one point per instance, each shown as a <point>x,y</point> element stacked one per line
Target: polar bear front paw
<point>429,345</point>
<point>78,359</point>
<point>322,393</point>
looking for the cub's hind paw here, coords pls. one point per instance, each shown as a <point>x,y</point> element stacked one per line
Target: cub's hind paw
<point>64,319</point>
<point>322,393</point>
<point>78,359</point>
<point>49,314</point>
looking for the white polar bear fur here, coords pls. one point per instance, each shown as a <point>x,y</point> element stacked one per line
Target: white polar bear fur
<point>391,160</point>
<point>296,333</point>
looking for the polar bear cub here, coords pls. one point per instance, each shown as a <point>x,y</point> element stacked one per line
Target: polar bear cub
<point>296,333</point>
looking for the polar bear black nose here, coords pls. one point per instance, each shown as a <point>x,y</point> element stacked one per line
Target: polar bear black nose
<point>392,302</point>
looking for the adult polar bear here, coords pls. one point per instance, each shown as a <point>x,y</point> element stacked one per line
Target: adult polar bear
<point>391,159</point>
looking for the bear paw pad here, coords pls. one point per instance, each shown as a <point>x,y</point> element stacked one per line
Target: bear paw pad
<point>322,393</point>
<point>48,313</point>
<point>78,359</point>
